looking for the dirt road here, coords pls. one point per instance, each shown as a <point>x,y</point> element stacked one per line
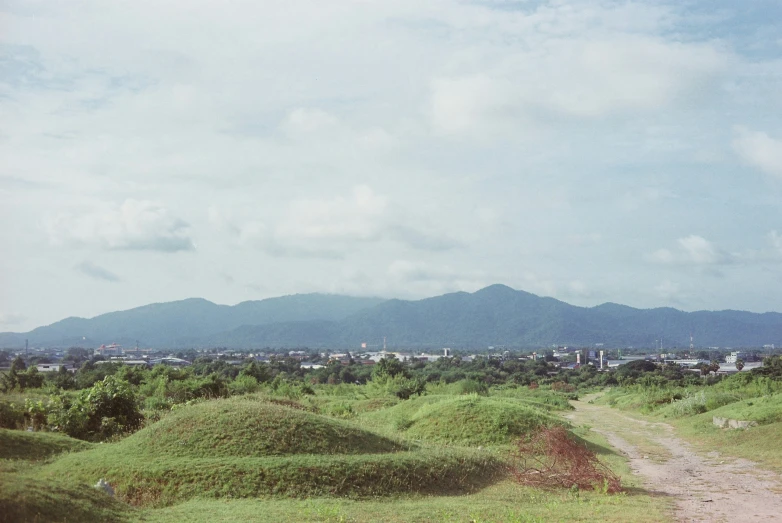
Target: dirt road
<point>704,487</point>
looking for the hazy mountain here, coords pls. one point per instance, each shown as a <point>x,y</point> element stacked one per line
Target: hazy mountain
<point>496,315</point>
<point>499,315</point>
<point>185,322</point>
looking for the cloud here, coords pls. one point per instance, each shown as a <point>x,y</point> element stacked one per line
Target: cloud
<point>571,77</point>
<point>759,150</point>
<point>332,228</point>
<point>7,318</point>
<point>133,225</point>
<point>303,120</point>
<point>97,272</point>
<point>669,291</point>
<point>693,250</point>
<point>700,251</point>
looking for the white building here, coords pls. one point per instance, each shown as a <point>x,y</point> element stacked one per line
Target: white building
<point>54,367</point>
<point>735,355</point>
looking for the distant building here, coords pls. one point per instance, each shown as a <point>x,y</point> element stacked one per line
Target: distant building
<point>173,362</point>
<point>736,355</point>
<point>109,350</point>
<point>54,367</point>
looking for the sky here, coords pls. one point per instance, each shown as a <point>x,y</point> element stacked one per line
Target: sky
<point>592,151</point>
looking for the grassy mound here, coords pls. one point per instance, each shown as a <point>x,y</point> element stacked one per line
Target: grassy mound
<point>476,421</point>
<point>242,427</point>
<point>19,444</point>
<point>467,420</point>
<point>24,498</point>
<point>164,481</point>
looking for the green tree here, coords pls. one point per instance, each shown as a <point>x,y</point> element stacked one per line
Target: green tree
<point>739,364</point>
<point>388,367</point>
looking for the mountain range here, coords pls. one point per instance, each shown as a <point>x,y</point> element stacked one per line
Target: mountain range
<point>494,316</point>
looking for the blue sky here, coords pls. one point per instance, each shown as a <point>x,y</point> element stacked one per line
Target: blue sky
<point>590,151</point>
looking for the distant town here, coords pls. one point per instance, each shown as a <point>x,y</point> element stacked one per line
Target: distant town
<point>563,357</point>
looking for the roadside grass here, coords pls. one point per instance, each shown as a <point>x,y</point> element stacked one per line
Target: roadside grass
<point>692,416</point>
<point>19,444</point>
<point>760,444</point>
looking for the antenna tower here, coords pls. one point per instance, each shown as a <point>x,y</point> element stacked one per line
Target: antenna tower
<point>691,344</point>
<point>384,343</point>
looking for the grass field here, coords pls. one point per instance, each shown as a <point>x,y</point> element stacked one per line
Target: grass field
<point>432,458</point>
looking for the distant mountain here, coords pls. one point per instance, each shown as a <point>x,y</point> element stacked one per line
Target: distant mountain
<point>501,316</point>
<point>185,322</point>
<point>496,315</point>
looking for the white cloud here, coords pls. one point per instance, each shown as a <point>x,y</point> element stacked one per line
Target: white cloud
<point>332,228</point>
<point>759,150</point>
<point>669,291</point>
<point>571,77</point>
<point>700,251</point>
<point>132,225</point>
<point>693,250</point>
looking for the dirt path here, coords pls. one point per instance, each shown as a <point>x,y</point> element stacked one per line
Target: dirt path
<point>704,487</point>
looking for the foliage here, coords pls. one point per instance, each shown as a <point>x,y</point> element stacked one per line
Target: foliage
<point>107,409</point>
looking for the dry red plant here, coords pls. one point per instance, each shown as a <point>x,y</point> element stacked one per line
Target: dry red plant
<point>552,458</point>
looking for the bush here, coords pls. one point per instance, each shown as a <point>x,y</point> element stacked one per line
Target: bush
<point>244,384</point>
<point>11,416</point>
<point>552,458</point>
<point>107,409</point>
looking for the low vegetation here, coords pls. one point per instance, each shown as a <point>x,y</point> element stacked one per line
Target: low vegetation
<point>191,437</point>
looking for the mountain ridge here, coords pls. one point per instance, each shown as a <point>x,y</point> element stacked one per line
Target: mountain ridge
<point>495,315</point>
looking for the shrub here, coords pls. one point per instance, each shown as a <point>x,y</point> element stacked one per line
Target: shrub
<point>244,384</point>
<point>561,386</point>
<point>552,458</point>
<point>107,409</point>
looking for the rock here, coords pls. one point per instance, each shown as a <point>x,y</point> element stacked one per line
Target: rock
<point>720,422</point>
<point>725,423</point>
<point>103,485</point>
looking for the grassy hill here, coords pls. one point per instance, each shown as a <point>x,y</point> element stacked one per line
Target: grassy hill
<point>19,444</point>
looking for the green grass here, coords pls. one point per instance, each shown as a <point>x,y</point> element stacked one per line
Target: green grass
<point>764,410</point>
<point>19,444</point>
<point>246,447</point>
<point>464,420</point>
<point>505,501</point>
<point>143,480</point>
<point>760,444</point>
<point>28,499</point>
<point>251,427</point>
<point>246,459</point>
